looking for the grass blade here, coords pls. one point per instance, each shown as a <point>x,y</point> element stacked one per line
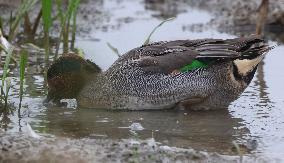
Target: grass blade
<point>65,24</point>
<point>74,26</point>
<point>72,6</point>
<point>115,50</point>
<point>23,63</point>
<point>47,21</point>
<point>25,6</point>
<point>8,49</point>
<point>159,25</point>
<point>46,14</point>
<point>8,86</point>
<point>61,17</point>
<point>1,24</point>
<point>9,53</point>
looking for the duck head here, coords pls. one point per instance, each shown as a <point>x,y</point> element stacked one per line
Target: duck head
<point>68,75</point>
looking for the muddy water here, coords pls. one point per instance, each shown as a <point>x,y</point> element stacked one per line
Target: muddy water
<point>255,120</point>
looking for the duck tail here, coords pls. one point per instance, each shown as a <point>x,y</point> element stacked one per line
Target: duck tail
<point>254,48</point>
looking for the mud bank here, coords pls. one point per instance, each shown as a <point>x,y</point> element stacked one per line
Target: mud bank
<point>240,12</point>
<point>22,148</point>
<point>92,16</point>
<point>240,17</point>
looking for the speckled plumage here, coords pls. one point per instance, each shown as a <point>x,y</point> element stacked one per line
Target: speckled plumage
<point>143,79</point>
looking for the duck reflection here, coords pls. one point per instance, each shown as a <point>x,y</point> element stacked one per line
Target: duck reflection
<point>211,130</point>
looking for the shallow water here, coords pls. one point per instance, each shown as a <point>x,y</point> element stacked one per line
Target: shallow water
<point>254,120</point>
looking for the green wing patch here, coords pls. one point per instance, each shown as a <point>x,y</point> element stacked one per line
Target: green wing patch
<point>194,65</point>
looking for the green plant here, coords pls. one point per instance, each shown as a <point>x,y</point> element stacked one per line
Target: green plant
<point>23,63</point>
<point>74,26</point>
<point>1,23</point>
<point>47,22</point>
<point>25,6</point>
<point>7,90</point>
<point>71,11</point>
<point>8,50</point>
<point>65,24</point>
<point>67,20</point>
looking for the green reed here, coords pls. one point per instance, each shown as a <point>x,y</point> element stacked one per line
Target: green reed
<point>24,7</point>
<point>23,63</point>
<point>65,20</point>
<point>8,52</point>
<point>7,49</point>
<point>20,20</point>
<point>74,26</point>
<point>47,22</point>
<point>8,86</point>
<point>1,23</point>
<point>71,12</point>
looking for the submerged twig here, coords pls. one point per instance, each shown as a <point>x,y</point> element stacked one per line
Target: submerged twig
<point>238,149</point>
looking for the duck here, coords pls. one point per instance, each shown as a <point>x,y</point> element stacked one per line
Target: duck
<point>200,74</point>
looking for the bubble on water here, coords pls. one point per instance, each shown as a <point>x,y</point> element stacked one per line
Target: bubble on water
<point>70,103</point>
<point>136,127</point>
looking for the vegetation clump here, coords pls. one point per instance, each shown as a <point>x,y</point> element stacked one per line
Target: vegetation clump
<point>19,32</point>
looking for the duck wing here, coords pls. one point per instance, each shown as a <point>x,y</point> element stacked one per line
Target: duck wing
<point>165,57</point>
